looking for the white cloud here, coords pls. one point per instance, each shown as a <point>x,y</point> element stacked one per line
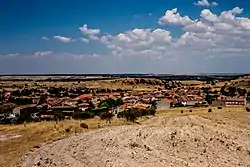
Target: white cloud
<point>85,30</point>
<point>9,55</point>
<point>64,39</point>
<point>206,35</point>
<point>208,16</point>
<point>172,17</point>
<point>84,40</point>
<point>211,42</point>
<point>45,38</point>
<point>139,42</point>
<point>205,3</point>
<point>93,37</point>
<point>42,54</point>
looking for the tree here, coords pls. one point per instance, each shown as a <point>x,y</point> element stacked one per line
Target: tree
<point>119,102</point>
<point>154,104</point>
<point>42,100</point>
<point>232,91</point>
<point>209,99</point>
<point>91,105</point>
<point>223,91</point>
<point>151,111</point>
<point>107,115</point>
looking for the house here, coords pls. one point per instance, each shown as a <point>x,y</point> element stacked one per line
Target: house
<point>7,108</point>
<point>164,104</point>
<point>86,97</point>
<point>141,106</point>
<point>219,103</point>
<point>83,106</point>
<point>24,109</point>
<point>235,101</point>
<point>193,102</point>
<point>63,108</point>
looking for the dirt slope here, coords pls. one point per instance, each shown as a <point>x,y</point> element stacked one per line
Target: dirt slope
<point>185,140</point>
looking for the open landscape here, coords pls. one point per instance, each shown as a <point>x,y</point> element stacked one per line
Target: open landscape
<point>197,139</point>
<point>107,83</point>
<point>131,121</point>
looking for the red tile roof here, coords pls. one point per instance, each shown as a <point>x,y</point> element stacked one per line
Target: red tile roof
<point>86,96</point>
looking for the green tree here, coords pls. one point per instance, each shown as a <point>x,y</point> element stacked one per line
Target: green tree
<point>209,99</point>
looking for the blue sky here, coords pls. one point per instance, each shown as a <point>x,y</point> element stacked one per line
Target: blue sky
<point>124,36</point>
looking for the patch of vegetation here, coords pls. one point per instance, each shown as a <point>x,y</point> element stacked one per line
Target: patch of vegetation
<point>83,115</point>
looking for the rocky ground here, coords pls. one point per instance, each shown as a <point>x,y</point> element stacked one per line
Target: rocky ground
<point>198,140</point>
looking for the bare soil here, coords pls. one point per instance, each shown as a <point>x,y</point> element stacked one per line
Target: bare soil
<point>195,140</point>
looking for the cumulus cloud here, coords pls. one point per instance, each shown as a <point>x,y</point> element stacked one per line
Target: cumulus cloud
<point>85,30</point>
<point>84,40</point>
<point>220,35</point>
<point>93,37</point>
<point>64,39</point>
<point>42,53</point>
<point>174,18</point>
<point>205,3</point>
<point>207,42</point>
<point>139,42</point>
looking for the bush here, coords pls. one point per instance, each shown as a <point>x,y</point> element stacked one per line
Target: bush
<point>190,110</point>
<point>59,116</point>
<point>84,126</point>
<point>67,130</point>
<point>130,115</point>
<point>209,110</point>
<point>120,115</point>
<point>26,117</point>
<point>106,115</point>
<point>151,111</point>
<point>247,109</point>
<point>83,115</point>
<point>182,111</point>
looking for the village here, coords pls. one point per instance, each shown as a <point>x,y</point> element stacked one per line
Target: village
<point>24,103</point>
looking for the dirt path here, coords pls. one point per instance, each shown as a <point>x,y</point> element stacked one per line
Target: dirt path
<point>185,140</point>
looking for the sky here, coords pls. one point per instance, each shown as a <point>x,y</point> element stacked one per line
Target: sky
<point>117,36</point>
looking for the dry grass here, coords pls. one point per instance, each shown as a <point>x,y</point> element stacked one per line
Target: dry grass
<point>34,134</point>
<point>102,84</point>
<point>198,111</point>
<point>118,84</point>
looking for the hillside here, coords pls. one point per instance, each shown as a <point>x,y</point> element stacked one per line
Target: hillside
<point>199,139</point>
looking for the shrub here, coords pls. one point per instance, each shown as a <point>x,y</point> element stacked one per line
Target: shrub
<point>106,115</point>
<point>130,115</point>
<point>209,110</point>
<point>182,111</point>
<point>151,111</point>
<point>67,130</point>
<point>83,115</point>
<point>190,110</point>
<point>59,116</point>
<point>84,126</point>
<point>26,117</point>
<point>120,115</point>
<point>247,109</point>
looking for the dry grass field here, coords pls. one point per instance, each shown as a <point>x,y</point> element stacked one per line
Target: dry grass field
<point>102,84</point>
<point>226,124</point>
<point>172,138</point>
<point>16,140</point>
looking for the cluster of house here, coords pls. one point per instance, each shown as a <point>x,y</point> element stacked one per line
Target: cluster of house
<point>77,101</point>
